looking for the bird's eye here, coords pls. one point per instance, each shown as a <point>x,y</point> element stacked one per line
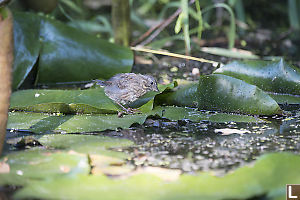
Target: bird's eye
<point>152,83</point>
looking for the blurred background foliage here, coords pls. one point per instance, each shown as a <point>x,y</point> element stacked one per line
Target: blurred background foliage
<point>263,27</point>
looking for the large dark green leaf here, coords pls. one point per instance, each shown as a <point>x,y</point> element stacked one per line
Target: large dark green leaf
<point>185,95</point>
<point>65,54</point>
<point>72,55</point>
<point>271,76</point>
<point>26,46</point>
<point>220,92</point>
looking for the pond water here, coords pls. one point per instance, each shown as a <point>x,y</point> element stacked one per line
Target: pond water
<point>209,146</point>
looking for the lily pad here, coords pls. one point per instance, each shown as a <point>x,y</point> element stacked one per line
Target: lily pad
<point>68,155</point>
<point>64,101</point>
<point>224,93</point>
<point>220,92</point>
<point>86,144</point>
<point>271,76</point>
<point>40,164</point>
<point>285,98</point>
<point>184,95</point>
<point>46,123</point>
<point>27,47</point>
<point>263,178</point>
<point>76,55</point>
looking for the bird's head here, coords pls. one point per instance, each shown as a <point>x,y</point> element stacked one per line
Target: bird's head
<point>150,84</point>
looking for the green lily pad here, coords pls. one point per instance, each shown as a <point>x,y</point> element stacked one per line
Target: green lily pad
<point>220,92</point>
<point>184,95</point>
<point>45,123</point>
<point>68,155</point>
<point>78,56</point>
<point>92,123</point>
<point>271,76</point>
<point>24,120</point>
<point>269,174</point>
<point>26,47</point>
<point>75,142</point>
<point>86,144</point>
<point>65,53</point>
<point>224,93</point>
<point>285,98</point>
<point>64,101</point>
<point>40,164</point>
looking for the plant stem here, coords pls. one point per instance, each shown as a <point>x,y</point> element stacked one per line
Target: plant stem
<point>6,60</point>
<point>121,21</point>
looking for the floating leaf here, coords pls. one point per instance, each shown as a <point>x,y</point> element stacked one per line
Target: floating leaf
<point>220,92</point>
<point>24,120</point>
<point>285,98</point>
<point>43,123</point>
<point>64,101</point>
<point>84,56</point>
<point>71,159</point>
<point>39,164</point>
<point>27,46</point>
<point>87,144</point>
<point>185,95</point>
<point>271,76</point>
<point>262,178</point>
<point>65,53</point>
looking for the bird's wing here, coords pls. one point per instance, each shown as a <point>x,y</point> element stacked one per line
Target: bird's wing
<point>123,81</point>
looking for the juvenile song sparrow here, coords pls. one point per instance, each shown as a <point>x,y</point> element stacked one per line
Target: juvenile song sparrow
<point>128,87</point>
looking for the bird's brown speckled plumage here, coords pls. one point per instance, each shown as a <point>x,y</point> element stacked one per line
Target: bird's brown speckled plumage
<point>128,87</point>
